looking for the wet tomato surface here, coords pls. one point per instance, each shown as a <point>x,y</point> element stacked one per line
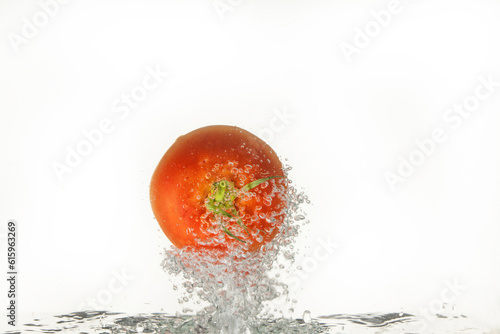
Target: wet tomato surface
<point>219,187</point>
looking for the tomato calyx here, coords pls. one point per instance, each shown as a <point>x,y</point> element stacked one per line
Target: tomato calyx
<point>221,200</point>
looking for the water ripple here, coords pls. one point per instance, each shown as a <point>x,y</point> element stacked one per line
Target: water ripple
<point>102,322</point>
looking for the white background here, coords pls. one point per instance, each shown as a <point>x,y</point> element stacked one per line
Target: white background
<point>349,124</point>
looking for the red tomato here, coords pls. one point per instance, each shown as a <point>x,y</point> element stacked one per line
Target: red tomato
<point>218,187</point>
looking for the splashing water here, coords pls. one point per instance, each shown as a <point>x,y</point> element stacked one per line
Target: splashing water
<point>100,322</point>
<point>236,287</point>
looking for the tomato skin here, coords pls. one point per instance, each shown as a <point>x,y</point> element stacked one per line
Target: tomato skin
<point>183,180</point>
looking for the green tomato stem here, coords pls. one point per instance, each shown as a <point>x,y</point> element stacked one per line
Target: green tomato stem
<point>222,205</point>
<point>253,184</point>
<point>224,228</point>
<point>221,190</point>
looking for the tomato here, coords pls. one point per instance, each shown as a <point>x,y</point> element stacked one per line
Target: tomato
<point>219,187</point>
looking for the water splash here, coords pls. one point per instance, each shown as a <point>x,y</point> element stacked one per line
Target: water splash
<point>235,288</point>
<point>100,322</point>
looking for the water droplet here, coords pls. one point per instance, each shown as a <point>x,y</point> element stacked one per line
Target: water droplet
<point>307,317</point>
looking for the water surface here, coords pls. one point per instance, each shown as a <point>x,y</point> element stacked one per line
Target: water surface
<point>101,322</point>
